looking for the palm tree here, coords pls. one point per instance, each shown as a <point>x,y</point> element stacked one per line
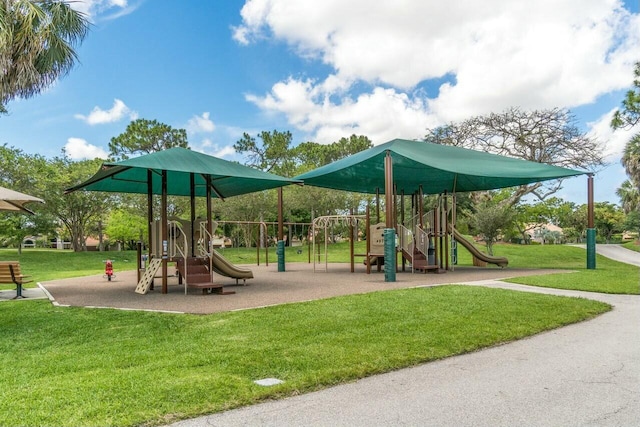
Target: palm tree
<point>37,39</point>
<point>629,197</point>
<point>628,117</point>
<point>631,160</point>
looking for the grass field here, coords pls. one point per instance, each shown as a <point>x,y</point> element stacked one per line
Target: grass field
<point>633,245</point>
<point>76,366</point>
<point>87,367</point>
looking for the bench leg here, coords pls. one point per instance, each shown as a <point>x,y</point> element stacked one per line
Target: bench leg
<point>18,292</point>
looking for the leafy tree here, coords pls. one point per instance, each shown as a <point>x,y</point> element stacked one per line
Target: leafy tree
<point>546,136</point>
<point>23,172</point>
<point>632,222</point>
<point>37,40</point>
<point>259,206</point>
<point>529,217</point>
<point>273,154</point>
<point>125,228</point>
<point>628,118</point>
<point>573,220</point>
<point>143,137</point>
<point>608,219</point>
<point>311,155</point>
<point>489,219</point>
<point>146,136</point>
<point>77,211</point>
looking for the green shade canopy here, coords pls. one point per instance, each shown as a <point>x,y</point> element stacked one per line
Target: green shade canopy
<point>435,168</point>
<point>227,178</point>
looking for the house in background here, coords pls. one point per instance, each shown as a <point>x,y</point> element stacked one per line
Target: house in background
<point>546,233</point>
<point>29,242</point>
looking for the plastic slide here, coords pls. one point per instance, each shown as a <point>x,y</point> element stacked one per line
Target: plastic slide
<point>223,267</point>
<point>499,261</point>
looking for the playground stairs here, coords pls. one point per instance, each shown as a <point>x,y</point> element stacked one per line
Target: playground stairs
<point>197,275</point>
<point>418,260</point>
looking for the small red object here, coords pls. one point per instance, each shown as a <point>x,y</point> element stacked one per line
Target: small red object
<point>108,269</point>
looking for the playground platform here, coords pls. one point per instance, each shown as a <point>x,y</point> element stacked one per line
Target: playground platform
<point>269,287</point>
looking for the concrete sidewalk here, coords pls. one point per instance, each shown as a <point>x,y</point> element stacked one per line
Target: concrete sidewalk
<point>617,253</point>
<point>586,374</point>
<point>27,293</point>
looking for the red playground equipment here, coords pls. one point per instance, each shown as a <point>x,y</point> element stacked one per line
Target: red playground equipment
<point>108,270</point>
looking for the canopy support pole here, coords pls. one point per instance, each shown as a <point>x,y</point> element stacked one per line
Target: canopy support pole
<point>389,232</point>
<point>192,188</point>
<point>280,248</point>
<point>368,241</point>
<point>150,216</point>
<point>377,205</point>
<point>351,247</point>
<point>388,189</point>
<point>209,236</point>
<point>591,231</point>
<point>404,261</point>
<point>164,232</point>
<point>209,211</point>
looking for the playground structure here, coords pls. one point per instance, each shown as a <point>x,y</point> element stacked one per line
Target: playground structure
<point>426,241</point>
<point>191,248</point>
<point>197,260</point>
<point>429,241</point>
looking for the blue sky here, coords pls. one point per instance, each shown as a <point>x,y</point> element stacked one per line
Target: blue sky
<point>328,69</point>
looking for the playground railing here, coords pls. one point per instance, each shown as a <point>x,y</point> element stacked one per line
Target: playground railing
<point>204,243</point>
<point>406,239</point>
<point>178,245</point>
<point>422,241</point>
<point>177,241</point>
<point>205,246</point>
<point>428,222</point>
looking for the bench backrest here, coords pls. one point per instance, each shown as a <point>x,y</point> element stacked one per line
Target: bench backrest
<point>5,271</point>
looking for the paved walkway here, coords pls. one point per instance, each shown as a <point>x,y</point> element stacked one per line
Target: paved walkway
<point>27,293</point>
<point>617,253</point>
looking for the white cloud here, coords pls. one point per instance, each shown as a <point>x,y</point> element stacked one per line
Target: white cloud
<point>79,149</point>
<point>207,146</point>
<point>501,53</point>
<point>200,124</point>
<point>225,151</point>
<point>116,113</point>
<point>614,141</point>
<point>382,115</point>
<point>104,9</point>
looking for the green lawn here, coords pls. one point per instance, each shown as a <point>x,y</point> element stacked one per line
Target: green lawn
<point>152,368</point>
<point>84,367</point>
<point>51,264</point>
<point>608,277</point>
<point>633,245</point>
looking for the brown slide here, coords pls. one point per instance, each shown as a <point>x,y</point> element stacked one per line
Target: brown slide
<point>499,261</point>
<point>223,267</point>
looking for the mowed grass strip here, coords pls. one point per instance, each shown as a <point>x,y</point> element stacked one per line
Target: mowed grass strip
<point>610,276</point>
<point>75,366</point>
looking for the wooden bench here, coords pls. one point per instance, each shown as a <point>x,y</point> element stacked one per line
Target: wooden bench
<point>10,273</point>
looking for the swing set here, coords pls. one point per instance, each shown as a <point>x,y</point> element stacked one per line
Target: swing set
<point>260,234</point>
